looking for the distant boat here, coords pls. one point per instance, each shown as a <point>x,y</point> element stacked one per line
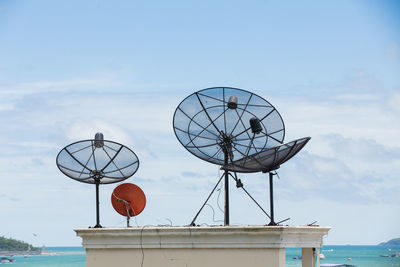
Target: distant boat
<point>393,255</point>
<point>6,260</point>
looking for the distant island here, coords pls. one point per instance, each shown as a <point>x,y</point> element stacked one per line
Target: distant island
<point>10,244</point>
<point>392,242</point>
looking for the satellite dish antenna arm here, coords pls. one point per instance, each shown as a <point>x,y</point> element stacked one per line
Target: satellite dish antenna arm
<point>111,159</point>
<point>251,143</point>
<point>241,115</point>
<point>80,163</point>
<point>205,110</point>
<point>128,206</point>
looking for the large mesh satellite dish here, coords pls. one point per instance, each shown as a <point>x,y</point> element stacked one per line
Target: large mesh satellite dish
<point>237,130</point>
<point>213,121</point>
<point>97,161</point>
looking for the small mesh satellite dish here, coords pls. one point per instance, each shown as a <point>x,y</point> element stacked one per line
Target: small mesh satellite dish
<point>237,130</point>
<point>267,160</point>
<point>128,200</point>
<point>97,161</point>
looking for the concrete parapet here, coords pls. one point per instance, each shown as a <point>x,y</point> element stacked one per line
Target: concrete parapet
<point>211,246</point>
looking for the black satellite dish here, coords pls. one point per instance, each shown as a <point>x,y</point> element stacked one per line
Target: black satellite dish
<point>97,161</point>
<point>267,160</point>
<point>237,130</point>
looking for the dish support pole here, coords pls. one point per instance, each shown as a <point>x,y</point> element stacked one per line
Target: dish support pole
<point>97,182</point>
<point>226,173</point>
<point>271,198</point>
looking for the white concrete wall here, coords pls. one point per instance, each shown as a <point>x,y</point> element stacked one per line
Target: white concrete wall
<point>185,257</point>
<point>244,246</point>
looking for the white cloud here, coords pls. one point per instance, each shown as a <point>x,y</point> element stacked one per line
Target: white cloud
<point>360,171</point>
<point>82,130</point>
<point>353,150</point>
<point>373,116</point>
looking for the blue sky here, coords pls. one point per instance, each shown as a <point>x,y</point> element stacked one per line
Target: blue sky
<point>70,69</point>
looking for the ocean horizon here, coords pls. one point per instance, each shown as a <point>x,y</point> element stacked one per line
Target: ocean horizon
<point>357,255</point>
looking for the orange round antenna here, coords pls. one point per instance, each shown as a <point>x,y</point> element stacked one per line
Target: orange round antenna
<point>128,197</point>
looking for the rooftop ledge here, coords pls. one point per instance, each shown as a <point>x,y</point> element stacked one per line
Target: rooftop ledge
<point>204,237</point>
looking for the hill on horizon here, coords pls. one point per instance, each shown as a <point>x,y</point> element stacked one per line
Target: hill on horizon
<point>392,242</point>
<point>11,244</point>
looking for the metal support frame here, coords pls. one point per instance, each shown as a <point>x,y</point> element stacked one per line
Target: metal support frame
<point>205,202</point>
<point>271,199</point>
<point>240,184</point>
<point>228,136</point>
<point>226,183</point>
<point>127,220</point>
<point>226,175</point>
<point>97,183</point>
<point>127,207</point>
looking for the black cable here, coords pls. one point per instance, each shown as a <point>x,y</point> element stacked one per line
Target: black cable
<point>213,213</point>
<point>219,194</point>
<point>195,217</point>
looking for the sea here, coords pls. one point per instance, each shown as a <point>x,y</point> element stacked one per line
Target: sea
<point>360,256</point>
